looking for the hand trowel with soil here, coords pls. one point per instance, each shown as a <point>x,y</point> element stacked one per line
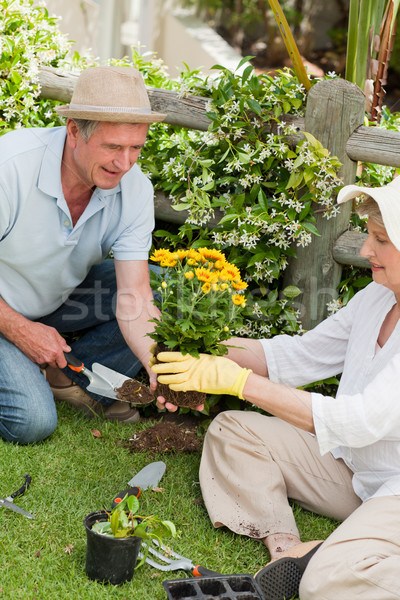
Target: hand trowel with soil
<point>111,384</point>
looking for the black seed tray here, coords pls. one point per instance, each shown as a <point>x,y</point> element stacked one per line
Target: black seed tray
<point>221,587</point>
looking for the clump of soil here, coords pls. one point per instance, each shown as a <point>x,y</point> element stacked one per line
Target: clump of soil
<point>138,393</point>
<point>187,399</point>
<point>166,436</point>
<point>134,391</point>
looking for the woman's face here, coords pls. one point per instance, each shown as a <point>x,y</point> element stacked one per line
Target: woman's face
<point>383,256</point>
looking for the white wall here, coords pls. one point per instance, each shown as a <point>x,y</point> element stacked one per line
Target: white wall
<point>185,38</point>
<point>79,21</point>
<point>110,27</point>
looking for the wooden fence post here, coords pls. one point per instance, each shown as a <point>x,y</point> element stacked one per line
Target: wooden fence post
<point>335,108</point>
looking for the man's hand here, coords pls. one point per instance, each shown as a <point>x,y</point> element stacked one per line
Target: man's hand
<point>41,343</point>
<point>209,374</point>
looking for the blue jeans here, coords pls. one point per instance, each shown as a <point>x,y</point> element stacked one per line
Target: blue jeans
<point>27,409</point>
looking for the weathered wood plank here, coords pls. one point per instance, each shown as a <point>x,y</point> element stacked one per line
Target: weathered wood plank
<point>335,108</point>
<point>188,111</point>
<point>374,145</point>
<point>164,211</point>
<point>346,249</point>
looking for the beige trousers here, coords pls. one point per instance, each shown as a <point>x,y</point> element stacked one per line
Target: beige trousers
<point>252,464</point>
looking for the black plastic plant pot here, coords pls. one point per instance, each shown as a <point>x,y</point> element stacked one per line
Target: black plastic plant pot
<point>109,559</point>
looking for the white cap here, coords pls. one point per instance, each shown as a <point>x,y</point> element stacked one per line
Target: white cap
<point>388,199</point>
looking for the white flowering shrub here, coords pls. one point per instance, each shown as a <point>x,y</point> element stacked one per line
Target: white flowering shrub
<point>245,166</point>
<point>29,40</point>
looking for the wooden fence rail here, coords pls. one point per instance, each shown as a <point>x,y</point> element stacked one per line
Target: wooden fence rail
<point>334,115</point>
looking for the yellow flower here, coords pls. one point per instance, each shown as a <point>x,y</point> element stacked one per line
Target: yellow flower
<point>169,261</point>
<point>192,262</point>
<point>229,273</point>
<point>224,286</point>
<point>208,254</point>
<point>215,287</point>
<point>189,275</point>
<point>164,284</point>
<point>226,328</point>
<point>180,254</point>
<point>204,274</point>
<point>206,288</point>
<point>159,255</point>
<point>239,300</point>
<point>193,254</point>
<point>239,285</point>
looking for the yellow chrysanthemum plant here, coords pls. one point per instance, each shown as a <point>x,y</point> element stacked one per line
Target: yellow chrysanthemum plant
<point>201,299</point>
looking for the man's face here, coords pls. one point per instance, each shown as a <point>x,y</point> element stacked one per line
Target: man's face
<point>110,152</point>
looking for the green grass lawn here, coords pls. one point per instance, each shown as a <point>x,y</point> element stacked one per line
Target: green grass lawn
<point>74,473</point>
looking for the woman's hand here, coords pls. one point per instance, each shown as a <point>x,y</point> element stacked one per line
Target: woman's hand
<point>209,374</point>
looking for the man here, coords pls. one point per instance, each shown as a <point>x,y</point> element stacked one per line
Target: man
<point>68,196</point>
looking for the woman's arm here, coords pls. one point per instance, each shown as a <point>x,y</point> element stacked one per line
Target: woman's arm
<point>289,404</point>
<point>248,353</point>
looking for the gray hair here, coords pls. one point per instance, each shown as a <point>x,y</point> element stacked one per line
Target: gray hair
<point>86,127</point>
<point>368,207</point>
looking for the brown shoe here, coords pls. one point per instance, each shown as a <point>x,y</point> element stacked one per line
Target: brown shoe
<point>79,399</point>
<point>122,412</point>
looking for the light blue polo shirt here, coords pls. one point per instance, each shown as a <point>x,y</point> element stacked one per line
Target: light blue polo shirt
<point>42,257</point>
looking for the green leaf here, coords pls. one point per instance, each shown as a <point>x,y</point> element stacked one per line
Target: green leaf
<point>246,73</point>
<point>244,158</point>
<point>295,179</point>
<point>171,529</point>
<point>141,530</point>
<point>254,105</point>
<point>114,521</point>
<point>133,503</point>
<point>179,207</point>
<point>291,291</point>
<point>311,228</point>
<point>244,60</point>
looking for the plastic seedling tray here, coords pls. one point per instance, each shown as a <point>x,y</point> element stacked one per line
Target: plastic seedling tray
<point>221,587</point>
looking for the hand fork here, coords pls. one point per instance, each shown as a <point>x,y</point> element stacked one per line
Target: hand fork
<point>176,563</point>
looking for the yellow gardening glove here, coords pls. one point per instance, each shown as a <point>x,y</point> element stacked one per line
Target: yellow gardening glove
<point>209,374</point>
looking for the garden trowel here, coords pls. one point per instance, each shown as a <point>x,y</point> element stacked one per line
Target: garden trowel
<point>102,380</point>
<point>147,478</point>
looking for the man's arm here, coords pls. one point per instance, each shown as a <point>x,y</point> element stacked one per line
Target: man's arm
<point>135,308</point>
<point>40,343</point>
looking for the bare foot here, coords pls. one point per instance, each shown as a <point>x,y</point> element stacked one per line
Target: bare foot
<point>297,551</point>
<point>277,543</point>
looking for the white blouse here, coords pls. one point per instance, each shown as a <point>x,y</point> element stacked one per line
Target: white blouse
<point>362,424</point>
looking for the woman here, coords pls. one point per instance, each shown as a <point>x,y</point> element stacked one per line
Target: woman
<point>338,457</point>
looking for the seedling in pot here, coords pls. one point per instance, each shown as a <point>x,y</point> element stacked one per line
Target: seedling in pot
<point>123,521</point>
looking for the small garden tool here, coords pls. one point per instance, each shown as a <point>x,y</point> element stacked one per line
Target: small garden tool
<point>103,381</point>
<point>8,502</point>
<point>177,562</point>
<point>148,477</point>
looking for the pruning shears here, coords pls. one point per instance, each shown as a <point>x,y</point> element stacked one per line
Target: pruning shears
<point>8,502</point>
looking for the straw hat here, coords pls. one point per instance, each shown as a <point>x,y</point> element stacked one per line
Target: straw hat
<point>116,94</point>
<point>388,199</point>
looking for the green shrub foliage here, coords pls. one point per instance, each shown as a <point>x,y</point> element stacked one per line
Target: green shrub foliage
<point>29,40</point>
